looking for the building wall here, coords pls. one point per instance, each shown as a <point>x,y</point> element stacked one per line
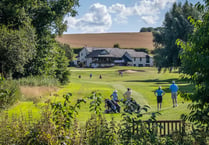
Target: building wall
<point>88,62</point>
<point>82,55</point>
<point>141,62</point>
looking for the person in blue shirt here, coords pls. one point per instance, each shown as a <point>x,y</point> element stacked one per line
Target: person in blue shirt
<point>159,93</point>
<point>174,89</point>
<point>114,96</point>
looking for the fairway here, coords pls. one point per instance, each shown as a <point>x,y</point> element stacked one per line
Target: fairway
<point>143,82</point>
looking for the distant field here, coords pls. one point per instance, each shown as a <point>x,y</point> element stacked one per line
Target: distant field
<point>125,40</point>
<point>142,81</point>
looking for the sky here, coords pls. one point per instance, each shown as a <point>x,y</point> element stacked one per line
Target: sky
<point>109,16</point>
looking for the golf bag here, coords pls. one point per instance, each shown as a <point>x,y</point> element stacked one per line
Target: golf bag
<point>111,106</point>
<point>131,106</point>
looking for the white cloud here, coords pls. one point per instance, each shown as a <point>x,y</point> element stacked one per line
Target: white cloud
<point>161,4</point>
<point>149,19</point>
<point>147,10</point>
<point>96,20</point>
<point>99,17</point>
<point>122,12</point>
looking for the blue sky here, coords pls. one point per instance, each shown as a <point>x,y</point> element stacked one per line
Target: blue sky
<point>104,16</point>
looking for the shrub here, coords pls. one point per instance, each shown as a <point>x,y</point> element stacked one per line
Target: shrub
<point>9,93</point>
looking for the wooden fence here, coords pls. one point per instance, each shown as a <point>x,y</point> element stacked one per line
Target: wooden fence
<point>162,127</point>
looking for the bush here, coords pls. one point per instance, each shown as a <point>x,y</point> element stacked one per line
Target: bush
<point>9,93</point>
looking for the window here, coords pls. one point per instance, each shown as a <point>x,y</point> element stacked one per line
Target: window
<point>147,59</point>
<point>140,59</point>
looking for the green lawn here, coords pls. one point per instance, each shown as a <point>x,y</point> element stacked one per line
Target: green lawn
<point>143,83</point>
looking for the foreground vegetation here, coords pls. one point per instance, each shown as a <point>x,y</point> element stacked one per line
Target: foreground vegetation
<point>49,120</point>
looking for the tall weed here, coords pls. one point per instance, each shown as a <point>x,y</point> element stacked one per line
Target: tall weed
<point>38,81</point>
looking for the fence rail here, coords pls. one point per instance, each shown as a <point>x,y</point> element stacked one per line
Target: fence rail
<point>162,127</point>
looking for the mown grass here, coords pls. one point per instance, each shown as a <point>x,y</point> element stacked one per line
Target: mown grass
<point>143,83</point>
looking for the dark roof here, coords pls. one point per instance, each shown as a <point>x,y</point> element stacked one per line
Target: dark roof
<point>112,52</point>
<point>137,54</point>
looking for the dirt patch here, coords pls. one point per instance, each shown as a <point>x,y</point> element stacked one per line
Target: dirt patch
<point>130,71</point>
<point>37,91</point>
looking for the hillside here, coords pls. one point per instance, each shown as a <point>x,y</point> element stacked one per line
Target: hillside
<point>125,40</point>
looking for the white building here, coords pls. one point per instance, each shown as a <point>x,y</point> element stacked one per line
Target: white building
<point>105,57</point>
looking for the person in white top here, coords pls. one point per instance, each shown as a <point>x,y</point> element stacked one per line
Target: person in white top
<point>127,94</point>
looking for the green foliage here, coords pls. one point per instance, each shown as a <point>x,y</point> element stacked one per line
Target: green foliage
<point>142,50</point>
<point>95,104</point>
<point>9,93</point>
<point>68,51</point>
<point>17,48</point>
<point>176,25</point>
<point>116,45</point>
<point>194,57</point>
<point>38,81</point>
<point>97,131</point>
<point>60,126</point>
<point>149,29</point>
<point>28,44</point>
<point>132,128</point>
<point>64,113</point>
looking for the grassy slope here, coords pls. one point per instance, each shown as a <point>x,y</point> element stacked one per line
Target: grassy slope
<point>143,84</point>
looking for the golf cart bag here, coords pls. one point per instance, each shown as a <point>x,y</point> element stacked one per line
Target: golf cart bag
<point>111,106</point>
<point>131,106</point>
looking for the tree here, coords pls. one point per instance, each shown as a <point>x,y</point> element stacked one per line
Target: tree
<point>176,25</point>
<point>17,48</point>
<point>68,51</point>
<point>116,45</point>
<point>149,29</point>
<point>47,19</point>
<point>195,58</point>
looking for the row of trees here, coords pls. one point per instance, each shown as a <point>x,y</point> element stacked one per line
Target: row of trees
<point>27,44</point>
<point>175,26</point>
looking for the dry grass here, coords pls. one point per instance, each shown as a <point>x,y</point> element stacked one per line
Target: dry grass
<point>125,40</point>
<point>37,91</point>
<point>36,94</point>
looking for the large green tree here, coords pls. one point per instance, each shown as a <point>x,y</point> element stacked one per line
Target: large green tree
<point>195,58</point>
<point>176,25</point>
<point>17,48</point>
<point>46,17</point>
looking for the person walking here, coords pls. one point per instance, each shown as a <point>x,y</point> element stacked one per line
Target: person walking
<point>174,89</point>
<point>159,93</point>
<point>100,76</point>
